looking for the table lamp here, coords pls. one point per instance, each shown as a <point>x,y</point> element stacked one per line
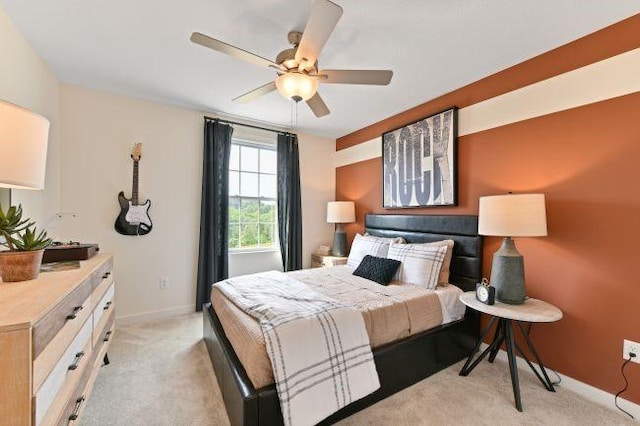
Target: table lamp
<point>511,215</point>
<point>340,212</point>
<point>23,147</point>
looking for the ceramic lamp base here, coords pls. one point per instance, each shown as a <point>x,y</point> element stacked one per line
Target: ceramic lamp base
<point>339,241</point>
<point>507,274</point>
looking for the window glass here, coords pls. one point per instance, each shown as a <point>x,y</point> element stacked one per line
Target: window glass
<point>252,197</point>
<point>268,186</point>
<point>266,234</point>
<point>249,184</point>
<point>249,212</point>
<point>234,159</point>
<point>234,209</point>
<point>249,235</point>
<point>268,211</point>
<point>234,235</point>
<point>234,184</point>
<point>249,158</point>
<point>268,161</point>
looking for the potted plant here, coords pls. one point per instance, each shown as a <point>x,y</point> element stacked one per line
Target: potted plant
<point>26,246</point>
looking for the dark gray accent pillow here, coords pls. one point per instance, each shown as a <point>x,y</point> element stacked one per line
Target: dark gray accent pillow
<point>378,269</point>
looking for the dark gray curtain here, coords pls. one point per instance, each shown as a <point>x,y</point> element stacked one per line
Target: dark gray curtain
<point>214,219</point>
<point>289,206</point>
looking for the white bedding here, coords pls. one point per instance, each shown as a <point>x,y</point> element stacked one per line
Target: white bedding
<point>391,313</point>
<point>449,294</point>
<point>452,308</point>
<point>319,348</point>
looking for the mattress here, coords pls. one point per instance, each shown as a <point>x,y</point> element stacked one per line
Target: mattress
<point>390,313</point>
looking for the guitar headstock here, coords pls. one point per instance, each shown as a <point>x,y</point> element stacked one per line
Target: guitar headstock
<point>136,152</point>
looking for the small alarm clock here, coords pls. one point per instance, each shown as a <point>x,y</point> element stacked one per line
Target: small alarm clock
<point>485,293</point>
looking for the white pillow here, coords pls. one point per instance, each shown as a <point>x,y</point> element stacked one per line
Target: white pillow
<point>420,265</point>
<point>444,271</point>
<point>368,244</point>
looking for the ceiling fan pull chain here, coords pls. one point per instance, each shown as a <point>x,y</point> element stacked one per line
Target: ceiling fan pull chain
<point>291,116</point>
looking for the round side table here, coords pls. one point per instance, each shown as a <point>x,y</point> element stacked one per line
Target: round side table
<point>531,311</point>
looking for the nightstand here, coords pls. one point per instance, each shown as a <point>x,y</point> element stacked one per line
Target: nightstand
<point>318,260</point>
<point>532,310</point>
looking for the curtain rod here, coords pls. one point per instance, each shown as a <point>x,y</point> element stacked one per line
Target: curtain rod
<point>220,120</point>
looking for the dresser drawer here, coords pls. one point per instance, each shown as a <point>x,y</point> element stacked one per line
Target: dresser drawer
<point>103,337</point>
<point>67,310</point>
<point>104,306</point>
<point>44,325</point>
<point>103,273</point>
<point>67,371</point>
<point>75,406</point>
<point>100,291</point>
<point>50,355</point>
<point>101,323</point>
<point>78,399</point>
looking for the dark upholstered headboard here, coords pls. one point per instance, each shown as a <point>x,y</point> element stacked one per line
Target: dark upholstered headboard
<point>466,264</point>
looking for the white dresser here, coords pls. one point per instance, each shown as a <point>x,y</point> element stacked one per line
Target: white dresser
<point>54,334</point>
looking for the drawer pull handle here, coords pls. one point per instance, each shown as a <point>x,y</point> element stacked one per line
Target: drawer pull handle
<point>79,356</point>
<point>107,335</point>
<point>106,275</point>
<point>106,305</point>
<point>74,314</point>
<point>76,409</point>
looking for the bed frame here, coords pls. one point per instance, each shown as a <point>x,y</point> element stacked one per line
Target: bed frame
<point>400,364</point>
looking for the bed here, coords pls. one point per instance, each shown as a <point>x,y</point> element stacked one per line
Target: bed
<point>400,363</point>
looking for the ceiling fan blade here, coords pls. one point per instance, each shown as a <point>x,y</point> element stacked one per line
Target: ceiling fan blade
<point>377,77</point>
<point>324,17</point>
<point>228,49</point>
<point>262,90</point>
<point>318,106</point>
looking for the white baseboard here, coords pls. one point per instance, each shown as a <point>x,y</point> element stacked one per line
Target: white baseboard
<point>586,391</point>
<point>155,315</point>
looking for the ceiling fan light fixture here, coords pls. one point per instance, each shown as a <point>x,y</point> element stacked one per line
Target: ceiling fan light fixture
<point>297,85</point>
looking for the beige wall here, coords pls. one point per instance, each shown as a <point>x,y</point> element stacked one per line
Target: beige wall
<point>318,183</point>
<point>26,80</point>
<point>98,133</point>
<point>91,165</point>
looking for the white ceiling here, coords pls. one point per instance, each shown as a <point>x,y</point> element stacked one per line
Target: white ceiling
<point>141,48</point>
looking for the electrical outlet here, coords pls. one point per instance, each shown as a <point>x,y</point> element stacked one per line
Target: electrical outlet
<point>164,283</point>
<point>630,347</point>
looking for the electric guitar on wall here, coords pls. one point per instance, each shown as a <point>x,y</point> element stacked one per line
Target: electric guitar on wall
<point>134,217</point>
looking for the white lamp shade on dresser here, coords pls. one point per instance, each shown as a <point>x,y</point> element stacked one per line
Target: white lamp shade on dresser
<point>513,215</point>
<point>341,212</point>
<point>23,147</point>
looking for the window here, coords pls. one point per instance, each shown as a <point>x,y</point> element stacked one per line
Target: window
<point>252,196</point>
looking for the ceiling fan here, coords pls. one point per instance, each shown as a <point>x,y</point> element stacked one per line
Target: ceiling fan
<point>297,67</point>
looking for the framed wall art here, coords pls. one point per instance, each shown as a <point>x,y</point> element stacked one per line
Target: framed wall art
<point>419,164</point>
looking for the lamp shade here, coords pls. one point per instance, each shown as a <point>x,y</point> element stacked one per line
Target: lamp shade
<point>513,215</point>
<point>295,84</point>
<point>341,212</point>
<point>23,147</point>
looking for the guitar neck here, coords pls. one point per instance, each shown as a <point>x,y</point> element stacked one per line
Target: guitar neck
<point>134,188</point>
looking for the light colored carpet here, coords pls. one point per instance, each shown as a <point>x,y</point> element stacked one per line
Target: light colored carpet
<point>160,374</point>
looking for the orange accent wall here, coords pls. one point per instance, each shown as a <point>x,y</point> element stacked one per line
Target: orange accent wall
<point>610,41</point>
<point>587,162</point>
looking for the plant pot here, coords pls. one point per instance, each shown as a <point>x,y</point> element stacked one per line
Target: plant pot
<point>20,265</point>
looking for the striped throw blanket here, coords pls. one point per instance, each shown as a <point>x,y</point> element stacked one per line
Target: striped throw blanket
<point>319,348</point>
